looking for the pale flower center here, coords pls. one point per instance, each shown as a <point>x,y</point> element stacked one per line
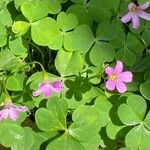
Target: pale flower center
<point>134,9</point>
<point>113,77</point>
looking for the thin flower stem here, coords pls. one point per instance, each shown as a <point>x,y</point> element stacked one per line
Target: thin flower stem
<point>143,41</point>
<point>42,55</point>
<point>35,62</point>
<point>3,82</point>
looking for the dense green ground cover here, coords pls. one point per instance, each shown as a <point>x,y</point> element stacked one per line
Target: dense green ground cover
<point>74,74</point>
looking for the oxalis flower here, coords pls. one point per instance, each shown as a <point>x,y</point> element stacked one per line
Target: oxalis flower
<point>11,111</point>
<point>47,88</point>
<point>116,78</point>
<point>135,13</point>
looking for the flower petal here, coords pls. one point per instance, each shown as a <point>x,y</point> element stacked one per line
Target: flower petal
<point>126,18</point>
<point>121,87</point>
<point>118,68</point>
<point>13,114</point>
<point>42,85</point>
<point>37,93</point>
<point>57,86</point>
<point>144,6</point>
<point>4,114</point>
<point>109,71</point>
<point>131,6</point>
<point>21,108</point>
<point>47,92</point>
<point>126,76</point>
<point>144,15</point>
<point>110,85</point>
<point>135,21</point>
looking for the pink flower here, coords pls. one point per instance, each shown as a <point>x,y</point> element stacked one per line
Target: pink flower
<point>48,87</point>
<point>135,13</point>
<point>11,111</point>
<point>117,78</point>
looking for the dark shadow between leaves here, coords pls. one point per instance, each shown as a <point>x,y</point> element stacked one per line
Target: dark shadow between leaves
<point>110,144</point>
<point>77,88</point>
<point>120,136</point>
<point>45,144</point>
<point>113,111</point>
<point>25,94</point>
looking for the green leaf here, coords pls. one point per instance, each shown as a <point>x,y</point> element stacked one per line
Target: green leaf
<point>58,107</point>
<point>101,52</point>
<point>133,86</point>
<point>125,148</point>
<point>138,138</point>
<point>81,39</point>
<point>16,82</point>
<point>145,35</point>
<point>18,3</point>
<point>34,11</point>
<point>12,132</point>
<point>82,13</point>
<point>67,21</point>
<point>5,16</point>
<point>16,46</point>
<point>126,55</point>
<point>27,141</point>
<point>147,120</point>
<point>62,1</point>
<point>47,121</point>
<point>20,27</point>
<point>144,89</point>
<point>113,129</point>
<point>103,106</point>
<point>90,140</point>
<point>57,42</point>
<point>119,40</point>
<point>65,142</point>
<point>106,31</point>
<point>13,84</point>
<point>79,132</point>
<point>47,36</point>
<point>79,1</point>
<point>143,65</point>
<point>133,112</point>
<point>101,10</point>
<point>68,63</point>
<point>54,6</point>
<point>36,77</point>
<point>12,64</point>
<point>8,61</point>
<point>93,144</point>
<point>78,90</point>
<point>94,74</point>
<point>147,75</point>
<point>85,119</point>
<point>85,115</point>
<point>41,137</point>
<point>142,1</point>
<point>134,43</point>
<point>3,35</point>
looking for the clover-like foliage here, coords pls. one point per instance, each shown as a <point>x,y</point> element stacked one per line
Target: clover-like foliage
<point>74,74</point>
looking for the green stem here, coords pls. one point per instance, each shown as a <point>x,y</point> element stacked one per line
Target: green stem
<point>35,62</point>
<point>2,79</point>
<point>144,44</point>
<point>42,55</point>
<point>7,97</point>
